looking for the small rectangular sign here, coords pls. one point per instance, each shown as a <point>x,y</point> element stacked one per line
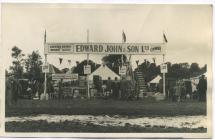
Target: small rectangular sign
<point>87,69</point>
<point>45,68</point>
<point>64,76</point>
<point>122,70</point>
<point>163,68</point>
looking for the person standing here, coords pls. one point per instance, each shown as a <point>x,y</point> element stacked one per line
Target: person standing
<point>115,87</point>
<point>178,91</point>
<point>8,92</point>
<point>109,87</point>
<point>60,91</point>
<point>123,88</point>
<point>202,88</point>
<point>16,88</point>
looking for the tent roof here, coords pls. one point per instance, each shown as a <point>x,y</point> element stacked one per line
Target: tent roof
<point>104,72</point>
<point>197,77</point>
<point>156,79</point>
<point>70,71</point>
<point>53,69</point>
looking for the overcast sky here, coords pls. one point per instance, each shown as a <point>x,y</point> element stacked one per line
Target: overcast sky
<point>188,29</point>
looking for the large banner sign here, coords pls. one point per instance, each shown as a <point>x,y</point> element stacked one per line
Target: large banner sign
<point>106,48</point>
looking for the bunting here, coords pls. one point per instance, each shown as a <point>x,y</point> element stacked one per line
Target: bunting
<point>153,59</point>
<point>69,61</point>
<point>45,37</point>
<point>123,37</point>
<point>60,59</point>
<point>164,38</point>
<point>137,62</point>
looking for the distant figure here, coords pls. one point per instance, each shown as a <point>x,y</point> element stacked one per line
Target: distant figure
<point>60,87</point>
<point>40,88</point>
<point>179,89</point>
<point>109,87</point>
<point>123,87</point>
<point>115,87</point>
<point>50,87</point>
<point>16,88</point>
<point>129,89</point>
<point>183,90</point>
<point>8,95</point>
<point>202,88</point>
<point>34,88</point>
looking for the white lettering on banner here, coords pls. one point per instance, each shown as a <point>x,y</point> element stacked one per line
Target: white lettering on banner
<point>60,48</point>
<point>106,48</point>
<point>64,76</point>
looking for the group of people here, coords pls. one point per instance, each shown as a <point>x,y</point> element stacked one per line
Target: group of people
<point>13,89</point>
<point>123,89</point>
<point>20,88</point>
<point>180,91</point>
<point>115,89</point>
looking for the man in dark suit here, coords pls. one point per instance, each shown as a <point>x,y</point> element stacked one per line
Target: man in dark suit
<point>202,88</point>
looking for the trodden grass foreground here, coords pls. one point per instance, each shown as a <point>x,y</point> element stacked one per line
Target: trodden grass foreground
<point>106,107</point>
<point>68,126</point>
<point>139,108</point>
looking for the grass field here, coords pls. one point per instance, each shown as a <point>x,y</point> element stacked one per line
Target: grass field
<point>139,108</point>
<point>106,107</point>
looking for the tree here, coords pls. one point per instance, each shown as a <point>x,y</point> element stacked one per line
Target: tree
<point>194,69</point>
<point>80,67</point>
<point>149,70</point>
<point>18,62</point>
<point>33,65</point>
<point>113,61</point>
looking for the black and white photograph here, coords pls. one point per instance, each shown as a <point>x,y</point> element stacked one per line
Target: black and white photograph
<point>113,70</point>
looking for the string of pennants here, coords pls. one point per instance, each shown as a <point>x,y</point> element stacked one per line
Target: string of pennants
<point>119,61</point>
<point>61,60</point>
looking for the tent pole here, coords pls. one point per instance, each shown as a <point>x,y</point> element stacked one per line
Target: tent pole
<point>88,86</point>
<point>164,81</point>
<point>45,78</point>
<point>45,81</point>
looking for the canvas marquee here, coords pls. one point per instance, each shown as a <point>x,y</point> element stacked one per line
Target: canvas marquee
<point>104,72</point>
<point>155,80</point>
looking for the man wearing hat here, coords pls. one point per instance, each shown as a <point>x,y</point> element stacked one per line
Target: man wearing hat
<point>202,88</point>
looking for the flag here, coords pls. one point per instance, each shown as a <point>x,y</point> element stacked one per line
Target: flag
<point>137,62</point>
<point>60,59</point>
<point>123,37</point>
<point>153,59</point>
<point>45,37</point>
<point>69,61</point>
<point>164,38</point>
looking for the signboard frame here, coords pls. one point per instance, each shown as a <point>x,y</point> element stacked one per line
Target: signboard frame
<point>45,68</point>
<point>163,68</point>
<point>58,76</point>
<point>122,70</point>
<point>87,69</point>
<point>106,48</point>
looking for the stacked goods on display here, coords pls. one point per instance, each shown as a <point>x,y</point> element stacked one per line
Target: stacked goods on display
<point>140,83</point>
<point>82,86</point>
